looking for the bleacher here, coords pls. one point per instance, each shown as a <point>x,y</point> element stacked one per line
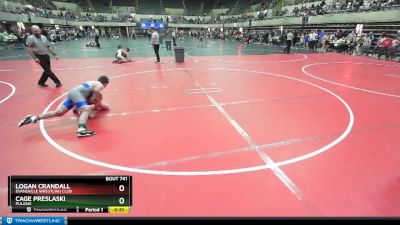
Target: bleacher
<point>223,4</point>
<point>22,2</point>
<point>207,7</point>
<point>154,7</point>
<point>83,4</point>
<point>101,6</point>
<point>339,6</point>
<point>175,4</point>
<point>127,3</point>
<point>377,28</point>
<point>150,7</point>
<point>192,7</point>
<point>123,5</point>
<point>43,4</point>
<point>241,5</point>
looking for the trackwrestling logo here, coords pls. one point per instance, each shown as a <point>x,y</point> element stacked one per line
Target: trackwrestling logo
<point>33,220</point>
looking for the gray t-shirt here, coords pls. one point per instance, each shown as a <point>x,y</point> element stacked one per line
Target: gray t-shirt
<point>39,45</point>
<point>290,36</point>
<point>155,38</point>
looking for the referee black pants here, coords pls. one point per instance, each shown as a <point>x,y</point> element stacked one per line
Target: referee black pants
<point>47,73</point>
<point>157,52</point>
<point>96,39</point>
<point>288,46</point>
<point>174,41</point>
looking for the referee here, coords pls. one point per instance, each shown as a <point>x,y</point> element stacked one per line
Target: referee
<point>38,45</point>
<point>96,37</point>
<point>155,41</point>
<point>289,41</point>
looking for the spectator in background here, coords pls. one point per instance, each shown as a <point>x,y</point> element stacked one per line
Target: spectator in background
<point>313,40</point>
<point>321,34</point>
<point>364,44</point>
<point>306,40</point>
<point>324,42</point>
<point>384,43</point>
<point>133,32</point>
<point>338,5</point>
<point>322,4</point>
<point>395,48</point>
<point>371,36</point>
<point>296,11</point>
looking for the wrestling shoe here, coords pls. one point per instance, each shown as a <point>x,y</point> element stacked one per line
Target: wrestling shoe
<point>28,119</point>
<point>85,132</point>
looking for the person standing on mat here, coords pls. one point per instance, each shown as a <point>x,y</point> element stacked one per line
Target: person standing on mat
<point>155,41</point>
<point>149,34</point>
<point>77,96</point>
<point>96,37</point>
<point>173,37</point>
<point>289,41</point>
<point>38,45</point>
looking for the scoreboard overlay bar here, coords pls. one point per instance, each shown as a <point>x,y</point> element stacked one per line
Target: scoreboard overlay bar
<point>70,194</point>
